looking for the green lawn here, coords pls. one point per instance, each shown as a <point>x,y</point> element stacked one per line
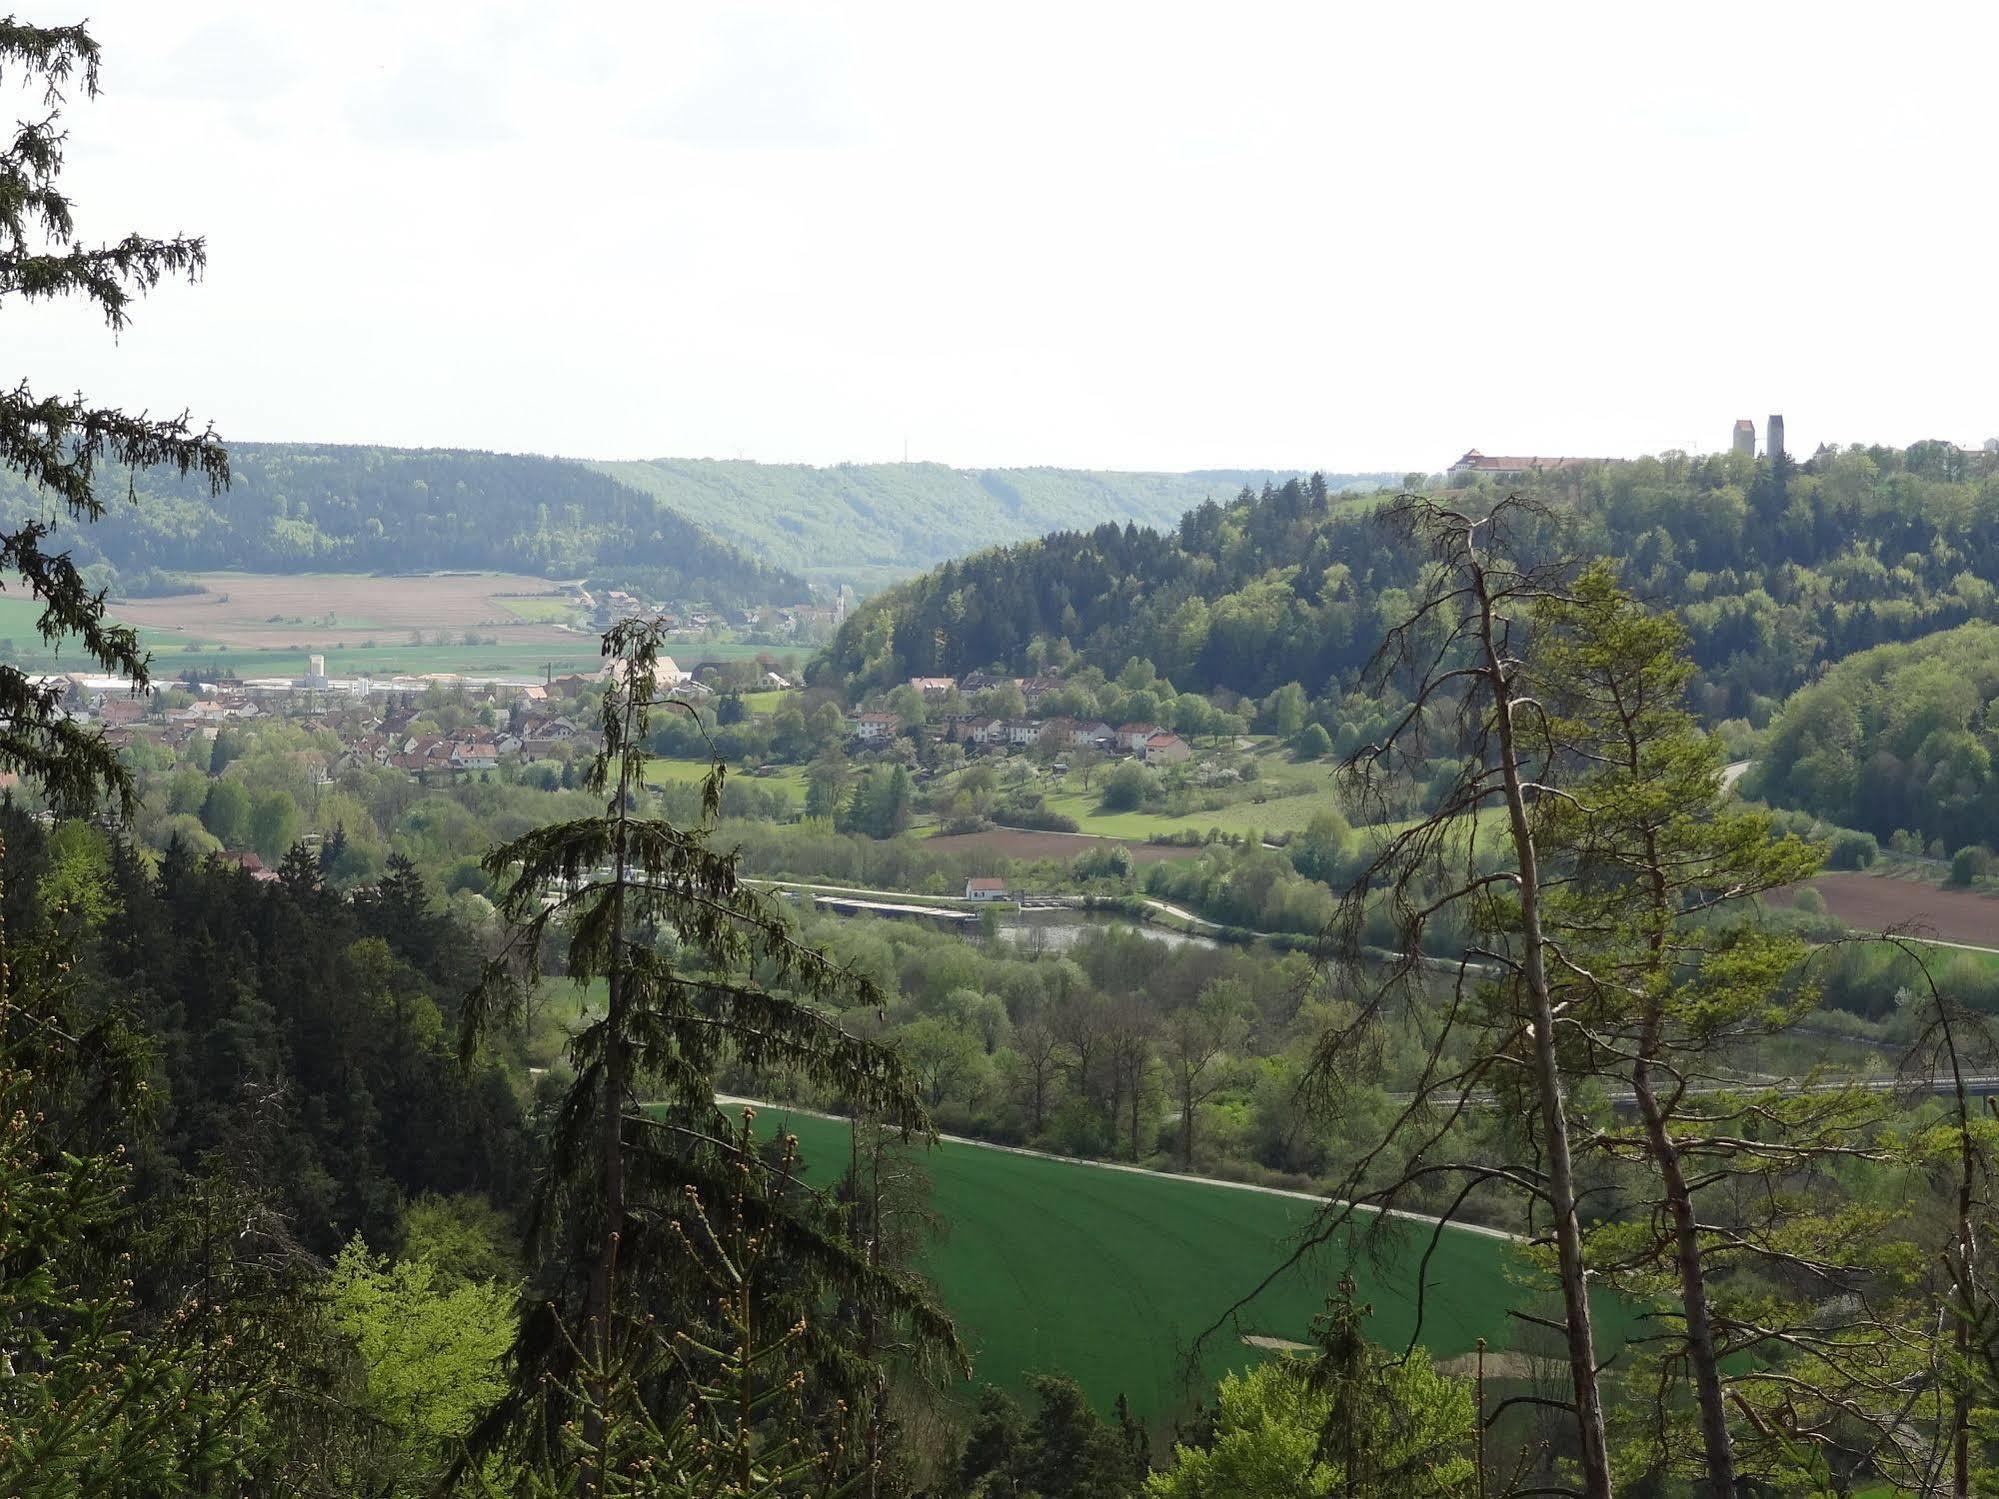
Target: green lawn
<point>789,779</point>
<point>1109,1275</point>
<point>1270,804</point>
<point>558,611</point>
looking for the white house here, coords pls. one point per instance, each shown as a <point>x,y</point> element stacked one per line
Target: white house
<point>873,728</point>
<point>985,889</point>
<point>1132,736</point>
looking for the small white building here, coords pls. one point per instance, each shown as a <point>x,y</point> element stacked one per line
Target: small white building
<point>983,888</point>
<point>873,728</point>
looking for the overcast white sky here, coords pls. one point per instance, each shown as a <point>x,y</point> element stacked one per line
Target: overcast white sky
<point>1136,236</point>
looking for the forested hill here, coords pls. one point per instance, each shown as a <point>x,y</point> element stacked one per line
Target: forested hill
<point>871,523</point>
<point>298,508</point>
<point>1898,740</point>
<point>1775,572</point>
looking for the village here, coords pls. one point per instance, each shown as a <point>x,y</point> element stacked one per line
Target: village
<point>1149,743</point>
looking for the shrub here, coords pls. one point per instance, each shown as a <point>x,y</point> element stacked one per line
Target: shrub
<point>1850,850</point>
<point>1970,864</point>
<point>1315,743</point>
<point>1128,788</point>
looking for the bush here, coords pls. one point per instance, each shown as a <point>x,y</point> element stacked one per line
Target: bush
<point>1129,787</point>
<point>1315,743</point>
<point>1970,864</point>
<point>1852,850</point>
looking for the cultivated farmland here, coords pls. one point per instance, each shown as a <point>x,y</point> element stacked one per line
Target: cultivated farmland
<point>1876,903</point>
<point>1109,1275</point>
<point>325,610</point>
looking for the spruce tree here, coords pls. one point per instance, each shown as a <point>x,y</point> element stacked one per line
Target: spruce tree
<point>63,446</point>
<point>697,969</point>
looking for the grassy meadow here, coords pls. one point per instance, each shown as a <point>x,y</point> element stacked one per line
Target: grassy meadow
<point>1110,1275</point>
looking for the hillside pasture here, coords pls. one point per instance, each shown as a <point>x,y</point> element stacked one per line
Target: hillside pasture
<point>1111,1275</point>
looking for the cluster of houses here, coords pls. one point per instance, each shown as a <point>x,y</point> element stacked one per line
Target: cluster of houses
<point>1148,742</point>
<point>376,722</point>
<point>805,621</point>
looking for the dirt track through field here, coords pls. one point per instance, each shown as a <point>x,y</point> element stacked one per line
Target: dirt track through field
<point>1023,843</point>
<point>1875,903</point>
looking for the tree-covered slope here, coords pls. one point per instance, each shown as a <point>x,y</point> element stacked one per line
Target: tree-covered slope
<point>870,523</point>
<point>1775,572</point>
<point>298,507</point>
<point>1898,738</point>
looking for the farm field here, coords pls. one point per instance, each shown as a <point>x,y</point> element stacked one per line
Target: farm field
<point>324,610</point>
<point>265,624</point>
<point>1873,903</point>
<point>1109,1275</point>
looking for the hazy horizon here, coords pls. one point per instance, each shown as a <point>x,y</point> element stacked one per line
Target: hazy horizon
<point>1121,238</point>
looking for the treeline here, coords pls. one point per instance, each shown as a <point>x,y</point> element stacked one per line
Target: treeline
<point>304,508</point>
<point>301,1037</point>
<point>1775,570</point>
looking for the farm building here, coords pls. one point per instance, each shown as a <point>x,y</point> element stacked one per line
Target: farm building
<point>982,888</point>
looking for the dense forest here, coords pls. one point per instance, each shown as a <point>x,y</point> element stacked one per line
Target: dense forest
<point>1897,741</point>
<point>871,523</point>
<point>304,1038</point>
<point>1775,570</point>
<point>299,508</point>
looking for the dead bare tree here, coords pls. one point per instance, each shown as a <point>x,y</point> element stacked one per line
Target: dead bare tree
<point>1441,881</point>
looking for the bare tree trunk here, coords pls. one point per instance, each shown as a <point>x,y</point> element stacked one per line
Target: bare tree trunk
<point>601,1295</point>
<point>1186,1122</point>
<point>1702,1359</point>
<point>1137,1069</point>
<point>1592,1443</point>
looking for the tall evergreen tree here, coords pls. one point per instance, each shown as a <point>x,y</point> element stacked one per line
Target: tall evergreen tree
<point>59,444</point>
<point>697,968</point>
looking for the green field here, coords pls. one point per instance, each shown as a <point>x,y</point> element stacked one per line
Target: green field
<point>175,652</point>
<point>1285,798</point>
<point>536,611</point>
<point>790,779</point>
<point>1109,1275</point>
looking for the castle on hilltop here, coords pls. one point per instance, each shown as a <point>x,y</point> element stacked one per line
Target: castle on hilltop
<point>1745,437</point>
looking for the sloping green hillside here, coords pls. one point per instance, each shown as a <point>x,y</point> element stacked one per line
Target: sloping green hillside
<point>294,507</point>
<point>1109,1275</point>
<point>869,523</point>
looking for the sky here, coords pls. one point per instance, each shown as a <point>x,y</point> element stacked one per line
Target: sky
<point>1141,236</point>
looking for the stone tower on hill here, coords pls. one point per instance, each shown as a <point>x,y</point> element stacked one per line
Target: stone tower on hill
<point>1745,437</point>
<point>1774,443</point>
